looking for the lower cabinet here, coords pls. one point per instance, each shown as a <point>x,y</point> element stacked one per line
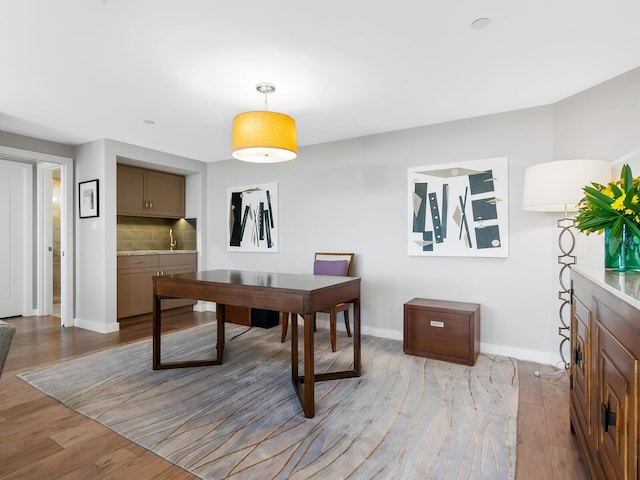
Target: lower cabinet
<point>605,347</point>
<point>135,284</point>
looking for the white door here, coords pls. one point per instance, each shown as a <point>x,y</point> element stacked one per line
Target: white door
<point>15,239</point>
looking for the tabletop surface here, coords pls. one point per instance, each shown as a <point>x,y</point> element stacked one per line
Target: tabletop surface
<point>287,281</point>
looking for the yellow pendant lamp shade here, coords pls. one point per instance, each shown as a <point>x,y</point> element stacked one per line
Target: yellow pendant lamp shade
<point>264,137</point>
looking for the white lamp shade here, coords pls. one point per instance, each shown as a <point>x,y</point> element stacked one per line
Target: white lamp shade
<point>558,186</point>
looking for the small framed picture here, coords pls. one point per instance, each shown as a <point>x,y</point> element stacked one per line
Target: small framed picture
<point>88,198</point>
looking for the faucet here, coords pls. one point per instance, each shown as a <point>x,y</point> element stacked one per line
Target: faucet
<point>172,241</point>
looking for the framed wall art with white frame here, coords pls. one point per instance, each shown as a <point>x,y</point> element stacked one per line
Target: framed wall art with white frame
<point>252,218</point>
<point>459,209</point>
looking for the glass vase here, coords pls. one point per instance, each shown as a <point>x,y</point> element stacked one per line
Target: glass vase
<point>621,252</point>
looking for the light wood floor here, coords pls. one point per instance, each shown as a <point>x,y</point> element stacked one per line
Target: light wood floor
<point>40,438</point>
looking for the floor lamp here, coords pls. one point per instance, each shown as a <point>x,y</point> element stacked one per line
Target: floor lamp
<point>557,187</point>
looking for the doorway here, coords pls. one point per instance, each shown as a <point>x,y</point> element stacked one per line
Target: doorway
<point>49,239</point>
<point>36,255</point>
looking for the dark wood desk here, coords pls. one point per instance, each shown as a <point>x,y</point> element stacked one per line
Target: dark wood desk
<point>302,294</point>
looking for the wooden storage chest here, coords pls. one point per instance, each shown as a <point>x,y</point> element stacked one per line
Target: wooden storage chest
<point>442,330</point>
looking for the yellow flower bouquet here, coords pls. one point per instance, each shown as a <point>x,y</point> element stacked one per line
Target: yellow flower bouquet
<point>615,210</point>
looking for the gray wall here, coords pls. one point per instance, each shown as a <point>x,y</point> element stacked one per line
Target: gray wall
<point>352,196</point>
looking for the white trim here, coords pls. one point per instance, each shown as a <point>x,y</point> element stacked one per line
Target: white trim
<point>44,238</point>
<point>537,356</point>
<point>203,306</point>
<point>97,326</point>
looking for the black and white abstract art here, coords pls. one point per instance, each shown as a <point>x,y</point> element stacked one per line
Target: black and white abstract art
<point>459,209</point>
<point>252,218</point>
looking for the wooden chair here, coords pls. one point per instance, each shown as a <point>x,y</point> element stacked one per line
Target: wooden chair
<point>337,264</point>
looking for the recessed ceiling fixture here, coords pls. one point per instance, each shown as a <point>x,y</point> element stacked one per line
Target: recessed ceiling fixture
<point>480,23</point>
<point>263,136</point>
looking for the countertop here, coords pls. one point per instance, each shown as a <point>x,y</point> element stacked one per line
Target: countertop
<point>624,285</point>
<point>129,253</point>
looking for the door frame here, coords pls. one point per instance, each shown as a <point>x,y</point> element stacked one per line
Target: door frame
<point>44,237</point>
<point>66,231</point>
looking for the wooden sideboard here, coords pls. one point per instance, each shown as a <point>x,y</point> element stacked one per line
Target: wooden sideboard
<point>605,352</point>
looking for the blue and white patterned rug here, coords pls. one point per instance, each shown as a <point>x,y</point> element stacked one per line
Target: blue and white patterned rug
<point>406,417</point>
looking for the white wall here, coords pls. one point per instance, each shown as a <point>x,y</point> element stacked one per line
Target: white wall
<point>352,196</point>
<point>93,310</point>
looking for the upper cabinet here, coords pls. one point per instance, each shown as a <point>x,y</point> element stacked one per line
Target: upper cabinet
<point>149,193</point>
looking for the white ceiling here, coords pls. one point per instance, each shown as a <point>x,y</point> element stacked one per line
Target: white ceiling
<point>74,71</point>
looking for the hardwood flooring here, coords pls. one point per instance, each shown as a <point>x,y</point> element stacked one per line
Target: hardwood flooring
<point>40,438</point>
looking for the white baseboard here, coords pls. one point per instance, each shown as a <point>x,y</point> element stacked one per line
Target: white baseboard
<point>96,326</point>
<point>204,306</point>
<point>538,356</point>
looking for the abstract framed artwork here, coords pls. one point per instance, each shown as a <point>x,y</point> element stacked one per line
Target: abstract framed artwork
<point>88,199</point>
<point>252,218</point>
<point>459,209</point>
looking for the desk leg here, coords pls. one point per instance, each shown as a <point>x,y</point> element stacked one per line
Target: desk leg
<point>305,385</point>
<point>220,318</point>
<point>309,380</point>
<point>357,343</point>
<point>156,331</point>
<point>294,349</point>
<point>157,338</point>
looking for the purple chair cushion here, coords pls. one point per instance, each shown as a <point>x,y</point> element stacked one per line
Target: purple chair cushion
<point>336,268</point>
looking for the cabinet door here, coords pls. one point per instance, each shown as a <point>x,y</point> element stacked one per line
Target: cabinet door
<point>135,291</point>
<point>177,263</point>
<point>131,191</point>
<point>165,194</point>
<point>580,394</point>
<point>617,395</point>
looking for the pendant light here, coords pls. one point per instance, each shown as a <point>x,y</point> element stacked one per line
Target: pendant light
<point>263,136</point>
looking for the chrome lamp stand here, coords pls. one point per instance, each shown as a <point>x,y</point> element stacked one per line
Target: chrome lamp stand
<point>566,242</point>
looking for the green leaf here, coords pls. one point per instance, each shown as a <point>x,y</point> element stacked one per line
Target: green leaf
<point>627,178</point>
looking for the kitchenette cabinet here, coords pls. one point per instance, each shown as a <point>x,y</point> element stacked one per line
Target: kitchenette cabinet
<point>135,284</point>
<point>149,193</point>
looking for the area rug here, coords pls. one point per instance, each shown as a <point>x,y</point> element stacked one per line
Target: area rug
<point>406,417</point>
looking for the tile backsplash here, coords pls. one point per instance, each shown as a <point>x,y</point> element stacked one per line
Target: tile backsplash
<point>140,233</point>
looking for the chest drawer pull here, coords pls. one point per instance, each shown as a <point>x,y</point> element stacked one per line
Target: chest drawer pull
<point>434,323</point>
